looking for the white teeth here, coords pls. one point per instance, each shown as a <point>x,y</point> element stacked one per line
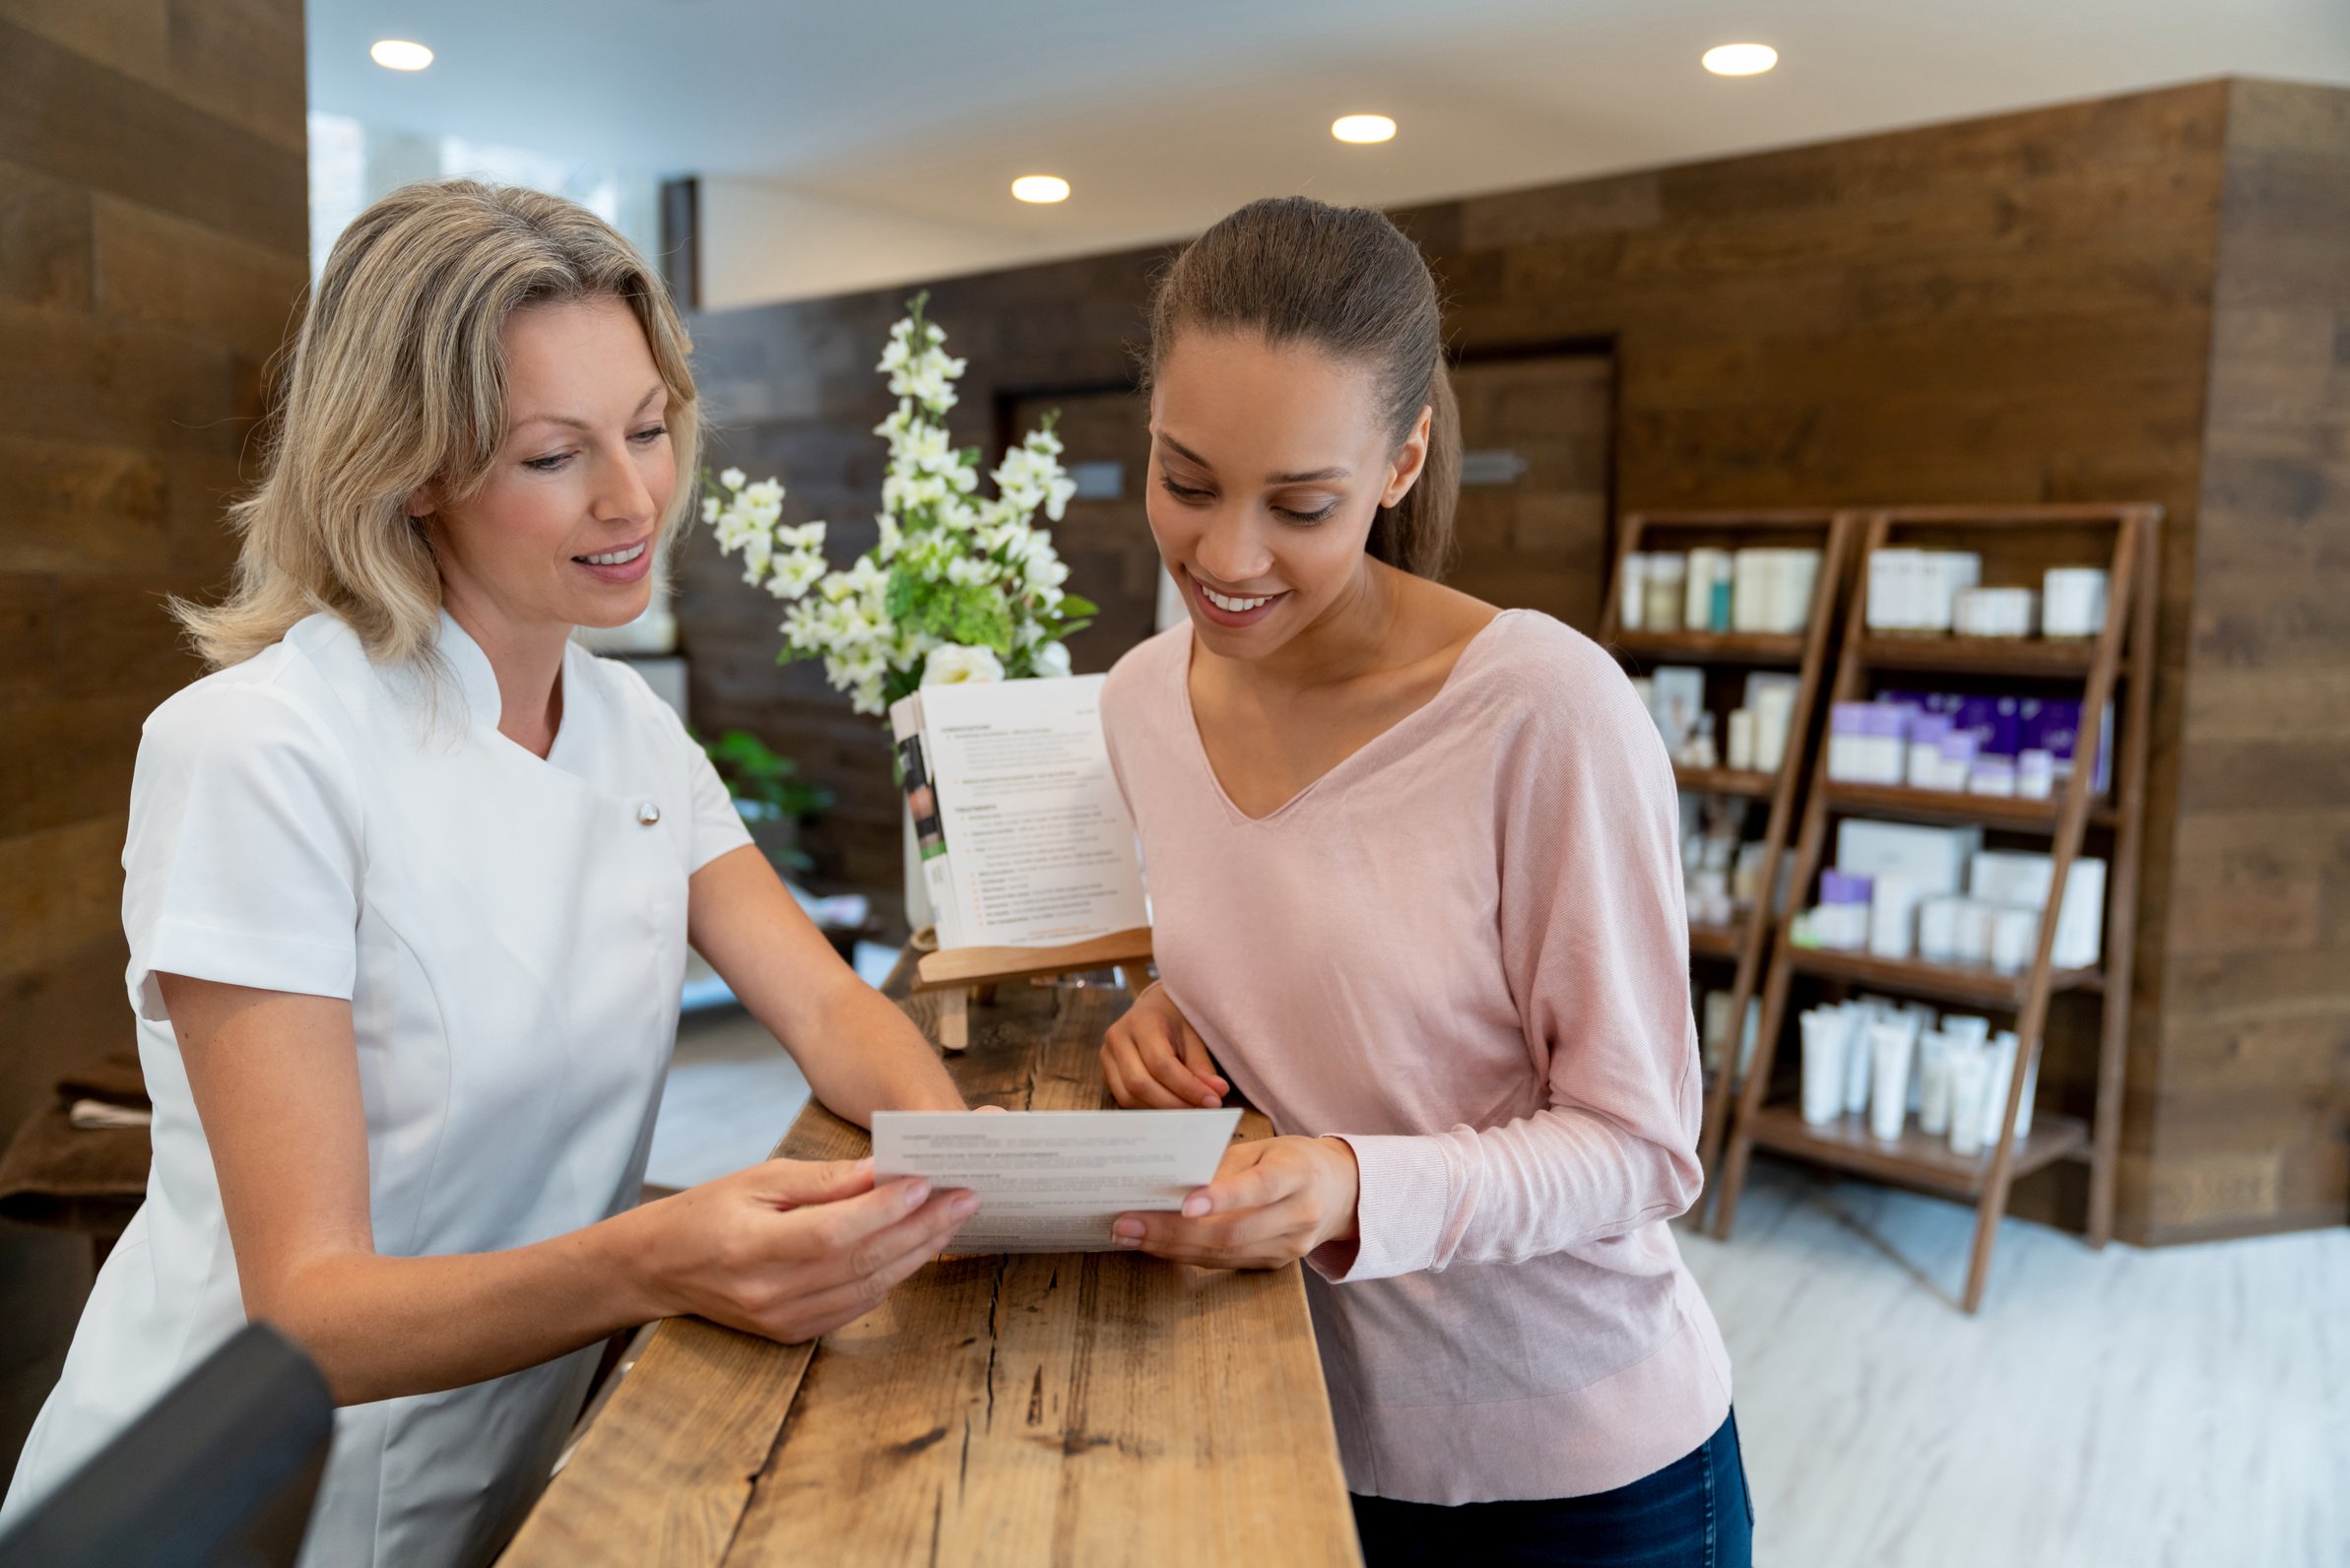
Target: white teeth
<point>617,557</point>
<point>1234,606</point>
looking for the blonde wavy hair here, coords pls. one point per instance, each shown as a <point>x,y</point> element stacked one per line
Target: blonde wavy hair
<point>396,382</point>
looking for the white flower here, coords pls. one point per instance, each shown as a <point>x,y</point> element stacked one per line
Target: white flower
<point>954,664</point>
<point>733,479</point>
<point>1051,661</point>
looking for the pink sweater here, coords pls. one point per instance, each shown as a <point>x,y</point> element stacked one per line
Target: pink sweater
<point>1464,951</point>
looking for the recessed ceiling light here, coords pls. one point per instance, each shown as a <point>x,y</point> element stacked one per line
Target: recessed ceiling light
<point>1363,128</point>
<point>1040,188</point>
<point>397,54</point>
<point>1740,59</point>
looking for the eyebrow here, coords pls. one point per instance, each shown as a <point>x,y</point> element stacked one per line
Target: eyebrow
<point>581,425</point>
<point>1309,478</point>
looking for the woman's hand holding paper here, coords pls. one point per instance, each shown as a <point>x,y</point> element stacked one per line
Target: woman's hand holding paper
<point>1155,1059</point>
<point>1273,1200</point>
<point>793,1248</point>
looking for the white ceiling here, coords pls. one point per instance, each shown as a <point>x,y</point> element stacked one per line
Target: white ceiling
<point>1165,113</point>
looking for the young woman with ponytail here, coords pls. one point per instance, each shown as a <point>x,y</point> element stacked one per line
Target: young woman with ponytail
<point>1416,889</point>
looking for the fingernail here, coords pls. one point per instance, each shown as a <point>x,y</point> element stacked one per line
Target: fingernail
<point>1196,1205</point>
<point>966,1206</point>
<point>1212,1101</point>
<point>916,1192</point>
<point>1127,1241</point>
<point>1127,1230</point>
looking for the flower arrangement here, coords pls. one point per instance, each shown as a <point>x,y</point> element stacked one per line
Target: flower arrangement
<point>958,587</point>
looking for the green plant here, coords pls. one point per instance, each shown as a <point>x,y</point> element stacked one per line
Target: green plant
<point>760,779</point>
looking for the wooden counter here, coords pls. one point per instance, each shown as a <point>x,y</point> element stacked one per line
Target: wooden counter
<point>1084,1410</point>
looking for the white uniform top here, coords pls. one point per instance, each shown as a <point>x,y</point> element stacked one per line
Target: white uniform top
<point>510,933</point>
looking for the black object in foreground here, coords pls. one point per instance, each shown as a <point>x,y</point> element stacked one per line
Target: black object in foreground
<point>220,1474</point>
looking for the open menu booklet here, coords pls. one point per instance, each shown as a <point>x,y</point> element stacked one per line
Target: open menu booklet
<point>1023,836</point>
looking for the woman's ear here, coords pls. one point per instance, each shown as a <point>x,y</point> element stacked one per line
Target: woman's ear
<point>1410,459</point>
<point>420,506</point>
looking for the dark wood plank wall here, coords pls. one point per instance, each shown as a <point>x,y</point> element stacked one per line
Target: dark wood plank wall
<point>2008,309</point>
<point>2249,1102</point>
<point>153,241</point>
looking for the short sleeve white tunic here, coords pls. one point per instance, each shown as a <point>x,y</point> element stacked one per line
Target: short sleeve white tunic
<point>510,933</point>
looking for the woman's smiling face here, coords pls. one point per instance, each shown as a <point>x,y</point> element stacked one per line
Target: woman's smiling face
<point>566,526</point>
<point>1269,462</point>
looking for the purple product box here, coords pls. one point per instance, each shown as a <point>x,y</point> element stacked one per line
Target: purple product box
<point>1929,729</point>
<point>2053,726</point>
<point>1995,723</point>
<point>1844,887</point>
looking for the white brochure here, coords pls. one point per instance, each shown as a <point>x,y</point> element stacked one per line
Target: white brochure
<point>1053,1181</point>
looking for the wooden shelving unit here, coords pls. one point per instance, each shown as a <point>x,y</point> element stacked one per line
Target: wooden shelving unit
<point>1808,655</point>
<point>2121,655</point>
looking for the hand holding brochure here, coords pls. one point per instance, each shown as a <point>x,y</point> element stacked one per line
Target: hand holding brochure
<point>1054,1181</point>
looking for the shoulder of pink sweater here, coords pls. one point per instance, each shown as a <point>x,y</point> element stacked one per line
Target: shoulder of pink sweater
<point>1136,689</point>
<point>1533,662</point>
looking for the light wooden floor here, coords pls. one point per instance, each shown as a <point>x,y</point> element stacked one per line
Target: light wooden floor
<point>2184,1407</point>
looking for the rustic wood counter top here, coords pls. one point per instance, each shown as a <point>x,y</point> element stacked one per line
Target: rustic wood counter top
<point>1081,1410</point>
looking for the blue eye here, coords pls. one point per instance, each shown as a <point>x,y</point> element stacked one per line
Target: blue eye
<point>652,433</point>
<point>547,465</point>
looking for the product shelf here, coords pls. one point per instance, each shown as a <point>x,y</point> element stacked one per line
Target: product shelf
<point>2113,716</point>
<point>1916,1157</point>
<point>1944,982</point>
<point>1742,945</point>
<point>2011,814</point>
<point>2040,659</point>
<point>1726,781</point>
<point>1762,649</point>
<point>1715,941</point>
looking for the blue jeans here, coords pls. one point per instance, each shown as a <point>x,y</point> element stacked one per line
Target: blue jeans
<point>1694,1513</point>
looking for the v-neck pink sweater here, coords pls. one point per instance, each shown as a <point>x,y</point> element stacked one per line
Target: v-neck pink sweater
<point>1464,951</point>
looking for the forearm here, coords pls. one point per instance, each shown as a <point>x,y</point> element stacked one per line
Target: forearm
<point>1561,1178</point>
<point>381,1327</point>
<point>876,1059</point>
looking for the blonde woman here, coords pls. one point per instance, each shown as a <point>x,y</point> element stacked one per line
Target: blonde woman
<point>410,879</point>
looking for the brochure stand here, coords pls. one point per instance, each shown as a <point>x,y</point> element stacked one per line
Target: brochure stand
<point>964,977</point>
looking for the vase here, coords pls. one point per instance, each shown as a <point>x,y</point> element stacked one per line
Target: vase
<point>918,910</point>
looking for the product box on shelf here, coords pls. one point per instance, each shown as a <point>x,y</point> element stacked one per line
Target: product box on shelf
<point>1932,859</point>
<point>2022,878</point>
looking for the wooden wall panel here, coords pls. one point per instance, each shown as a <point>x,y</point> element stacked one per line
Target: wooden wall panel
<point>2249,1099</point>
<point>153,241</point>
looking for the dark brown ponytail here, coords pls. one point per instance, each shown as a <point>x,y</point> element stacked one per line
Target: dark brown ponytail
<point>1350,283</point>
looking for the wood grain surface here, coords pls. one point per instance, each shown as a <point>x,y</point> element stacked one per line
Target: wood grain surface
<point>1072,1409</point>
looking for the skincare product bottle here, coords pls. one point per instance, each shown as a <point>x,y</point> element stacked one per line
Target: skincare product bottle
<point>1890,1042</point>
<point>1741,740</point>
<point>1969,1065</point>
<point>2023,1112</point>
<point>1857,1061</point>
<point>1631,596</point>
<point>1892,918</point>
<point>1937,930</point>
<point>2013,932</point>
<point>2035,775</point>
<point>1823,1065</point>
<point>2000,1054</point>
<point>1975,922</point>
<point>1668,577</point>
<point>1933,1084</point>
<point>2073,601</point>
